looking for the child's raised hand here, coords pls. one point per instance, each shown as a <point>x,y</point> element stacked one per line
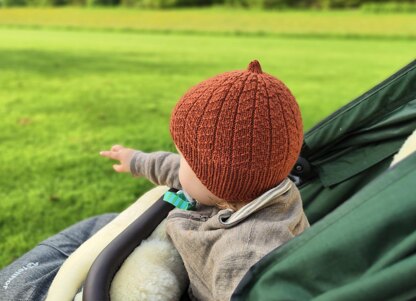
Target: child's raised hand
<point>122,154</point>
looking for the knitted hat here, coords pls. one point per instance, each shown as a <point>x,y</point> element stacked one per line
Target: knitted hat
<point>240,132</point>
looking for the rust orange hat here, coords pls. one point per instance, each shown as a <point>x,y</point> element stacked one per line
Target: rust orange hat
<point>240,132</point>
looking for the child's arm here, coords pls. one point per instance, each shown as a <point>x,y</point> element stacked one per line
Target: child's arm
<point>161,168</point>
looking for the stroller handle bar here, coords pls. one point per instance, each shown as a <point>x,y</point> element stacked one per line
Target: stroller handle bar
<point>99,278</point>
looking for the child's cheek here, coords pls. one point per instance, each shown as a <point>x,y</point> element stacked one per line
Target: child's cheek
<point>183,179</point>
<point>181,176</point>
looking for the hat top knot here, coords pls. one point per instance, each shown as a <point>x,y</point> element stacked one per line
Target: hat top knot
<point>255,67</point>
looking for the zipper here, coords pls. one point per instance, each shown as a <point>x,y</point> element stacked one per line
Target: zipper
<point>200,217</point>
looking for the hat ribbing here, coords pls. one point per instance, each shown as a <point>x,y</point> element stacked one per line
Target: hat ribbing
<point>240,132</point>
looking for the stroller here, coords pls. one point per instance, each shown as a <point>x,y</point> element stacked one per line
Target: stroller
<point>362,240</point>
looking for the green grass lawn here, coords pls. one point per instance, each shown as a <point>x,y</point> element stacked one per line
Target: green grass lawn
<point>67,94</point>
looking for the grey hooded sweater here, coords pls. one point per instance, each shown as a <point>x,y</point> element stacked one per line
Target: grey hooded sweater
<point>219,246</point>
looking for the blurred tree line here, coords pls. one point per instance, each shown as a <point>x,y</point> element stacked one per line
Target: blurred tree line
<point>367,5</point>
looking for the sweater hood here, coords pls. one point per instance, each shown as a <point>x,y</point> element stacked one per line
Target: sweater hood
<point>230,218</point>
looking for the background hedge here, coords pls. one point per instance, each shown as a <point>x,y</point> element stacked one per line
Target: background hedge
<point>380,6</point>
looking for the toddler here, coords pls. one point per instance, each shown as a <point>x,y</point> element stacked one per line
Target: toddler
<point>238,135</point>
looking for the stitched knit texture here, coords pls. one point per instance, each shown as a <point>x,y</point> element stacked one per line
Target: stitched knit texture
<point>240,132</point>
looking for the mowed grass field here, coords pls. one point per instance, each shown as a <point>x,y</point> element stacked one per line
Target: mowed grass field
<point>68,92</point>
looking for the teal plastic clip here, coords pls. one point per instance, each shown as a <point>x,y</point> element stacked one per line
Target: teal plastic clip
<point>178,200</point>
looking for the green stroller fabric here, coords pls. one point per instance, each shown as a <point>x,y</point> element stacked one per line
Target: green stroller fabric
<point>355,144</point>
<point>363,248</point>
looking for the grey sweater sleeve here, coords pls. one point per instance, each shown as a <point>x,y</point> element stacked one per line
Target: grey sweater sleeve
<point>161,168</point>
